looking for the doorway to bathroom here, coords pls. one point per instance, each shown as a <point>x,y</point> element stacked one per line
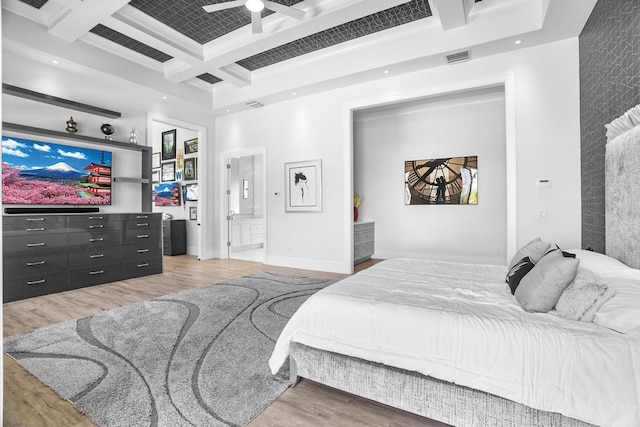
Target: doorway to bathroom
<point>245,202</point>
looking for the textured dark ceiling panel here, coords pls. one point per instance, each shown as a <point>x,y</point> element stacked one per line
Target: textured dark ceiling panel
<point>35,3</point>
<point>188,17</point>
<point>209,78</point>
<point>130,43</point>
<point>403,14</point>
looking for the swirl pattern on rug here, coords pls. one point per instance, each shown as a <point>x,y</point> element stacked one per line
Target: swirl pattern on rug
<point>194,358</point>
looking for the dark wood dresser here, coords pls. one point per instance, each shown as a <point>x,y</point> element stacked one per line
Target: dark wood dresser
<point>49,253</point>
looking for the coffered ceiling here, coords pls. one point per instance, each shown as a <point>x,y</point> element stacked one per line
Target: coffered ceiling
<point>178,42</point>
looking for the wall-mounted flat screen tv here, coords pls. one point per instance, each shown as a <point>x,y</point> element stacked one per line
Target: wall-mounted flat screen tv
<point>43,173</point>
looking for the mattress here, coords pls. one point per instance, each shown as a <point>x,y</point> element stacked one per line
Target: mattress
<point>459,323</point>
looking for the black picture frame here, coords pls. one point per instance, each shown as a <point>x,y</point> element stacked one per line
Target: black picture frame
<point>191,146</point>
<point>169,145</point>
<point>168,171</point>
<point>190,169</point>
<point>155,176</point>
<point>191,192</point>
<point>193,213</point>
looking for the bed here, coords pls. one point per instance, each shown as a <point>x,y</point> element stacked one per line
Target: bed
<point>449,341</point>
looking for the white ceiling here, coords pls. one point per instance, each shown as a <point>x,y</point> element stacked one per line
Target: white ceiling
<point>60,31</point>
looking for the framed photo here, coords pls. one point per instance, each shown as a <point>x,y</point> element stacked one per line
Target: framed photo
<point>155,175</point>
<point>193,213</point>
<point>446,181</point>
<point>167,194</point>
<point>155,160</point>
<point>190,169</point>
<point>169,145</point>
<point>303,186</point>
<point>191,192</point>
<point>191,146</point>
<point>169,171</point>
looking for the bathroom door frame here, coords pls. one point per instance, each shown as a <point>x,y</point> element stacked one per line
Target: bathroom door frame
<point>225,228</point>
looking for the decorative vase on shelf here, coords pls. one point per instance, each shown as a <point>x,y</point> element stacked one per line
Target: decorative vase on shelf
<point>355,214</point>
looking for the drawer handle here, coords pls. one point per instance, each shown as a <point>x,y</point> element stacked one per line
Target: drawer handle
<point>142,224</point>
<point>35,219</point>
<point>142,236</point>
<point>142,217</point>
<point>141,251</point>
<point>91,218</point>
<point>36,229</point>
<point>36,282</point>
<point>33,245</point>
<point>146,264</point>
<point>97,239</point>
<point>96,256</point>
<point>96,226</point>
<point>93,273</point>
<point>31,264</point>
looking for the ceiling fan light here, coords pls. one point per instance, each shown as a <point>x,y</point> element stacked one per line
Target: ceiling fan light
<point>255,5</point>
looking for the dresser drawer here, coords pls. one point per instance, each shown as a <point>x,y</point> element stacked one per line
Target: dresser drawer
<point>362,226</point>
<point>33,244</point>
<point>29,263</point>
<point>95,256</point>
<point>34,284</point>
<point>143,216</point>
<point>363,236</point>
<point>143,224</point>
<point>135,236</point>
<point>139,252</point>
<point>142,268</point>
<point>95,239</point>
<point>93,275</point>
<point>33,224</point>
<point>362,252</point>
<point>95,222</point>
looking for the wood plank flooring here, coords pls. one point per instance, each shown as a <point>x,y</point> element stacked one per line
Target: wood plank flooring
<point>27,402</point>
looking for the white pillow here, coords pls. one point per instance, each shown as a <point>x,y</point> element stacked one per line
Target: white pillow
<point>603,265</point>
<point>622,312</point>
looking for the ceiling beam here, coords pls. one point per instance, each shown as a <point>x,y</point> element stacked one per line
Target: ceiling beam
<point>80,17</point>
<point>452,13</point>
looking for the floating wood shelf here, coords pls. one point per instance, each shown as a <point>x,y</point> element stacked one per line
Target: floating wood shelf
<point>59,102</point>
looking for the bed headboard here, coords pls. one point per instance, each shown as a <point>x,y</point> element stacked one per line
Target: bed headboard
<point>622,188</point>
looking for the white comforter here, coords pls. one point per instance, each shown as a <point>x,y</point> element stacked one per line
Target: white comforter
<point>460,323</point>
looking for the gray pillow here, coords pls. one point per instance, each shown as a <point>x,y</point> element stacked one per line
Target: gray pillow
<point>541,288</point>
<point>535,250</point>
<point>583,297</point>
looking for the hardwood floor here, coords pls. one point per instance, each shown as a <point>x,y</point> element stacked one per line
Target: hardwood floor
<point>27,402</point>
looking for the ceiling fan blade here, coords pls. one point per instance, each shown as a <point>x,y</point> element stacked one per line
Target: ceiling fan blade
<point>256,22</point>
<point>285,10</point>
<point>222,6</point>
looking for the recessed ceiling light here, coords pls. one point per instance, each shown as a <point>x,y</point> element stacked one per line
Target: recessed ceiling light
<point>164,97</point>
<point>517,42</point>
<point>55,61</point>
<point>386,71</point>
<point>294,93</point>
<point>227,110</point>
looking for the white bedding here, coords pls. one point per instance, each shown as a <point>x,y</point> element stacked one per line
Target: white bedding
<point>460,323</point>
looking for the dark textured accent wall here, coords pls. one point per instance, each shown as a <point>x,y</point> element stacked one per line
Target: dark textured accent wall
<point>609,86</point>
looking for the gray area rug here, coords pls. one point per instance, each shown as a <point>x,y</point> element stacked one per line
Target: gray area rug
<point>194,358</point>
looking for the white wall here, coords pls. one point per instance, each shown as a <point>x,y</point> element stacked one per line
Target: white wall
<point>466,124</point>
<point>546,87</point>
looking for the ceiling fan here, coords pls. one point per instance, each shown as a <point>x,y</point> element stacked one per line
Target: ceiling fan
<point>256,6</point>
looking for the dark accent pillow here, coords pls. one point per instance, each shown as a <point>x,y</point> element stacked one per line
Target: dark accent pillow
<point>564,253</point>
<point>517,272</point>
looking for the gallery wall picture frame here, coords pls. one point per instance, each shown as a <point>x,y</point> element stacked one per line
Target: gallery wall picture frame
<point>169,171</point>
<point>303,186</point>
<point>191,192</point>
<point>155,160</point>
<point>169,145</point>
<point>191,146</point>
<point>167,194</point>
<point>155,175</point>
<point>190,169</point>
<point>193,213</point>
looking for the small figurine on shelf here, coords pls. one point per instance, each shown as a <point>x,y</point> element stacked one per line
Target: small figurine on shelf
<point>108,130</point>
<point>133,136</point>
<point>72,126</point>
